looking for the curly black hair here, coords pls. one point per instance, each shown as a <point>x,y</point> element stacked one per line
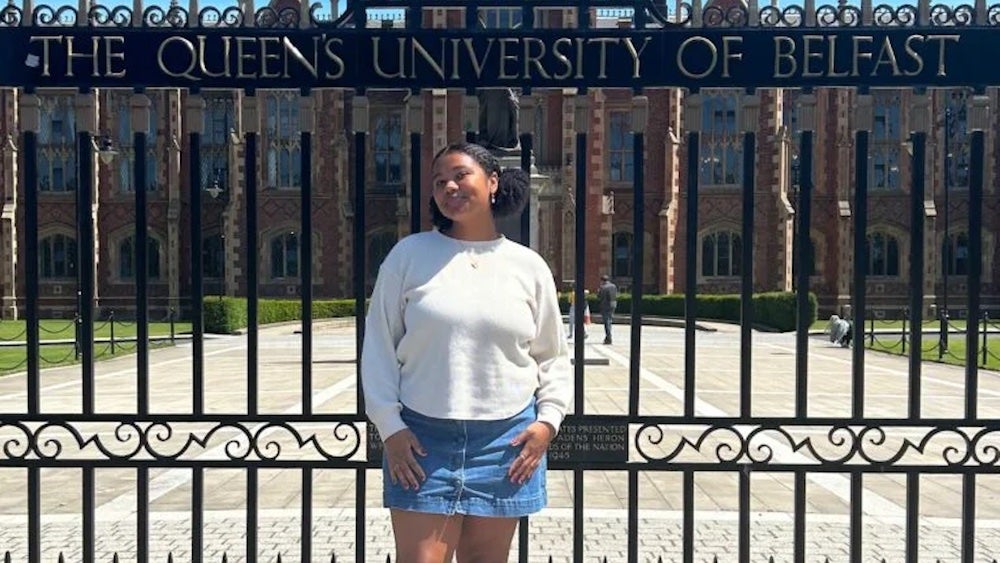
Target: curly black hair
<point>512,189</point>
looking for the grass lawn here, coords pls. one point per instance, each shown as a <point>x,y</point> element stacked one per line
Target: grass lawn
<point>14,358</point>
<point>956,349</point>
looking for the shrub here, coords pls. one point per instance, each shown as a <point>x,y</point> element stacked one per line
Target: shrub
<point>776,310</point>
<point>229,314</point>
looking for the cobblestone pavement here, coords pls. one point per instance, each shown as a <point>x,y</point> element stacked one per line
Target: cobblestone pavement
<point>661,381</point>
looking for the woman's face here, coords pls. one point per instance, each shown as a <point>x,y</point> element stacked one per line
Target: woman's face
<point>462,190</point>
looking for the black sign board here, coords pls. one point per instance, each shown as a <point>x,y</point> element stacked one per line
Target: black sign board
<point>97,57</point>
<point>590,441</point>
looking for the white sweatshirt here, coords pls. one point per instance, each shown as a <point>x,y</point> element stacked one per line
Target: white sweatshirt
<point>463,330</point>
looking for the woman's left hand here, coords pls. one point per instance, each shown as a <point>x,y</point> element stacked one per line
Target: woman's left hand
<point>535,441</point>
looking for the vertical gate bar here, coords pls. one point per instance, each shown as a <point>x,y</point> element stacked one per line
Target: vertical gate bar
<point>750,113</point>
<point>744,508</point>
<point>581,121</point>
<point>691,273</point>
<point>578,492</point>
<point>197,514</point>
<point>470,113</point>
<point>688,502</point>
<point>968,517</point>
<point>195,124</point>
<point>527,140</point>
<point>856,523</point>
<point>251,127</point>
<point>140,127</point>
<point>89,516</point>
<point>864,117</point>
<point>307,124</point>
<point>978,121</point>
<point>633,515</point>
<point>416,125</point>
<point>252,515</point>
<point>307,514</point>
<point>527,144</point>
<point>30,124</point>
<point>692,121</point>
<point>34,515</point>
<point>804,251</point>
<point>918,142</point>
<point>580,117</point>
<point>799,531</point>
<point>142,514</point>
<point>85,246</point>
<point>913,514</point>
<point>360,125</point>
<point>640,116</point>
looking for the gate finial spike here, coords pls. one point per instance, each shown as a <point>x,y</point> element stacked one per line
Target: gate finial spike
<point>6,555</point>
<point>279,558</point>
<point>114,557</point>
<point>388,559</point>
<point>61,558</point>
<point>224,558</point>
<point>170,557</point>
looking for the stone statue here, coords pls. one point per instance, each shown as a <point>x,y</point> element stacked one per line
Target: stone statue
<point>498,119</point>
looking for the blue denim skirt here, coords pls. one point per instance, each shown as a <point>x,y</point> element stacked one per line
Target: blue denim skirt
<point>466,467</point>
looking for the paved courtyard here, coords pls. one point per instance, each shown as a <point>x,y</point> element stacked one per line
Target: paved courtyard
<point>605,500</point>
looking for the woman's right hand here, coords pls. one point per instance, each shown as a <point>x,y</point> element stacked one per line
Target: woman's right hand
<point>403,466</point>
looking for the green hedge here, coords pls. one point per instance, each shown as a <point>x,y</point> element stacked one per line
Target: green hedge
<point>228,314</point>
<point>776,310</point>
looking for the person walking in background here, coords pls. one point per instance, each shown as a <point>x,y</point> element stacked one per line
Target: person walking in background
<point>607,300</point>
<point>464,368</point>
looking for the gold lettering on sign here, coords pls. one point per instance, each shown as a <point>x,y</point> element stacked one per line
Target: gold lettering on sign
<point>188,49</point>
<point>942,69</point>
<point>913,54</point>
<point>293,53</point>
<point>727,52</point>
<point>561,56</point>
<point>831,59</point>
<point>784,54</point>
<point>505,42</point>
<point>857,54</point>
<point>536,60</point>
<point>886,56</point>
<point>437,65</point>
<point>267,55</point>
<point>636,54</point>
<point>712,50</point>
<point>111,55</point>
<point>810,52</point>
<point>377,57</point>
<point>203,64</point>
<point>603,58</point>
<point>46,71</point>
<point>334,58</point>
<point>242,54</point>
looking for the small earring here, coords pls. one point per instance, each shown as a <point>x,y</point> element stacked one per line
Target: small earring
<point>493,199</point>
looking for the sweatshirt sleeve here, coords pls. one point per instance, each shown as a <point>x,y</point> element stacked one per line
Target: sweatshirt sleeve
<point>549,349</point>
<point>379,364</point>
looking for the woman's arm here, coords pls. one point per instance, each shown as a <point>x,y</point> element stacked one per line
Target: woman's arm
<point>379,364</point>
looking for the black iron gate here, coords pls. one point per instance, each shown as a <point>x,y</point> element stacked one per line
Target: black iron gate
<point>689,47</point>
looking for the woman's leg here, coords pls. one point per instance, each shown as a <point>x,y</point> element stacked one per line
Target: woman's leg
<point>485,540</point>
<point>425,538</point>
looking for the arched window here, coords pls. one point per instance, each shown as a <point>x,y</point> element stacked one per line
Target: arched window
<point>882,257</point>
<point>388,155</point>
<point>57,259</point>
<point>620,163</point>
<point>285,255</point>
<point>955,254</point>
<point>621,255</point>
<point>126,258</point>
<point>721,140</point>
<point>57,144</point>
<point>379,246</point>
<point>721,254</point>
<point>281,139</point>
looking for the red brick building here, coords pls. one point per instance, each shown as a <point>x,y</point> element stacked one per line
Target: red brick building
<point>441,117</point>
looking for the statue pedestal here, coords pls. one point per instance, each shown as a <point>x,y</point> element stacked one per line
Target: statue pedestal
<point>513,227</point>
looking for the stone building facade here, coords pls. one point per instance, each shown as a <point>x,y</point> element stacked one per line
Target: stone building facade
<point>443,117</point>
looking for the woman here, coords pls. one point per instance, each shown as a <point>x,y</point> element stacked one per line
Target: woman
<point>465,369</point>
